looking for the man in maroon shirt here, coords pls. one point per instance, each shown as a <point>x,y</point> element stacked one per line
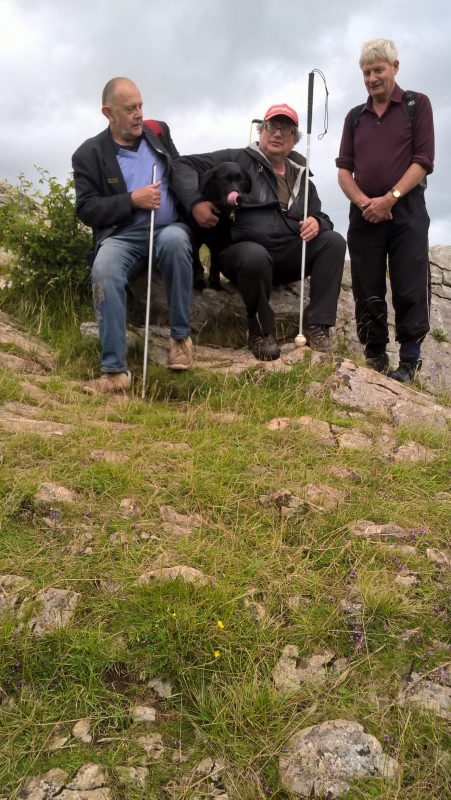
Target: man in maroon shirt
<point>385,154</point>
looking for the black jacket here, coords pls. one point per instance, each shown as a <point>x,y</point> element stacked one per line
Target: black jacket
<point>102,199</point>
<point>260,217</point>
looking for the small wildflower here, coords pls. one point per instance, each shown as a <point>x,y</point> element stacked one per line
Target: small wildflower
<point>220,624</point>
<point>174,614</point>
<point>267,790</point>
<point>352,573</point>
<point>216,653</point>
<point>331,598</point>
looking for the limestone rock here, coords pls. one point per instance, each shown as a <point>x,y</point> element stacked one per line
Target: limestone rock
<point>180,524</point>
<point>280,498</point>
<point>439,557</point>
<point>179,572</point>
<point>133,776</point>
<point>408,580</point>
<point>354,440</point>
<point>279,423</point>
<point>54,493</point>
<point>161,687</point>
<point>369,391</point>
<point>413,451</point>
<point>129,508</point>
<point>290,671</point>
<point>11,589</point>
<point>323,498</point>
<point>377,532</point>
<point>109,456</point>
<point>143,714</point>
<point>82,730</point>
<point>427,695</point>
<point>347,473</point>
<point>38,353</point>
<point>152,745</point>
<point>45,786</point>
<point>323,759</point>
<point>57,609</point>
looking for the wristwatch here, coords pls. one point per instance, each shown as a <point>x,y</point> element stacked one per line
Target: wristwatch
<point>396,193</point>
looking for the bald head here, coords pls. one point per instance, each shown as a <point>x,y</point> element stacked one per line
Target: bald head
<point>122,106</point>
<point>113,85</point>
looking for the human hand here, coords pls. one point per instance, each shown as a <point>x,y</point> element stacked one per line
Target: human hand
<point>309,229</point>
<point>205,214</point>
<point>377,209</point>
<point>147,197</point>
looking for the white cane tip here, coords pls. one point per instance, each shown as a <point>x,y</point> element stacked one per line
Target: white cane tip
<point>300,340</point>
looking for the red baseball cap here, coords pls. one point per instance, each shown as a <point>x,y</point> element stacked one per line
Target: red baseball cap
<point>282,110</point>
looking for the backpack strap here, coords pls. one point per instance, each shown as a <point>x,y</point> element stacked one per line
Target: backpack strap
<point>356,113</point>
<point>154,126</point>
<point>409,100</point>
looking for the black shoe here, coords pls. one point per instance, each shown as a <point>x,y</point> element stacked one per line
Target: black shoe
<point>379,363</point>
<point>265,348</point>
<point>318,337</point>
<point>406,371</point>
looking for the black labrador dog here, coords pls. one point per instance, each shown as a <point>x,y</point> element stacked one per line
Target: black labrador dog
<point>224,185</point>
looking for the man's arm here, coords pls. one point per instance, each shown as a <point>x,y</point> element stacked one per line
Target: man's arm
<point>95,207</point>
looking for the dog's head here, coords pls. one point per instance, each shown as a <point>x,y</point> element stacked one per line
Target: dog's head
<point>225,185</point>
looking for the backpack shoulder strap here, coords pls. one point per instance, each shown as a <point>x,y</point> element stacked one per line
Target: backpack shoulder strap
<point>154,126</point>
<point>410,102</point>
<point>356,113</point>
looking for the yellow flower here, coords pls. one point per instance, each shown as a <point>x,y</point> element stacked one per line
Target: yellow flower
<point>173,614</point>
<point>220,624</point>
<point>216,653</point>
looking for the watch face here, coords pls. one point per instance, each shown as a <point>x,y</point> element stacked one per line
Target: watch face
<point>396,193</point>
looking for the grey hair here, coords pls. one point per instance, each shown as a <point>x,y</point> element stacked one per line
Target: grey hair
<point>297,135</point>
<point>110,89</point>
<point>378,48</point>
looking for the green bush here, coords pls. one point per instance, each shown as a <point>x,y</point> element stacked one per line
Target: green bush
<point>41,229</point>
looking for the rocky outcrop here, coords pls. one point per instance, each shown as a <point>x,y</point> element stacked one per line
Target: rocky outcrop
<point>219,317</point>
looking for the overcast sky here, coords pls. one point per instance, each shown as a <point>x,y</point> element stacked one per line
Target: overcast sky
<point>208,67</point>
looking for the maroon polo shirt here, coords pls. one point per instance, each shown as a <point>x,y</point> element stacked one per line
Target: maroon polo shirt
<point>381,149</point>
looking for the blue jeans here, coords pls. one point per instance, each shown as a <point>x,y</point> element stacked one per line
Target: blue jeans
<point>119,259</point>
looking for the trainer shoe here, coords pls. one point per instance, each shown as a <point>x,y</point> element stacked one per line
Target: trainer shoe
<point>406,371</point>
<point>318,337</point>
<point>180,354</point>
<point>379,363</point>
<point>264,348</point>
<point>109,383</point>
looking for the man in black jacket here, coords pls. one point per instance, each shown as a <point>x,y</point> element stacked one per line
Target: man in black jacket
<point>263,245</point>
<point>115,197</point>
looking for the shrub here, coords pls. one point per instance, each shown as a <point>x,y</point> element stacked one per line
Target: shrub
<point>41,229</point>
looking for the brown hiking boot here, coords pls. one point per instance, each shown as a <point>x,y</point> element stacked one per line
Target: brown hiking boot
<point>318,337</point>
<point>109,383</point>
<point>180,354</point>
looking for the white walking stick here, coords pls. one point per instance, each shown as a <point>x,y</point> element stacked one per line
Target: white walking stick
<point>149,281</point>
<point>300,340</point>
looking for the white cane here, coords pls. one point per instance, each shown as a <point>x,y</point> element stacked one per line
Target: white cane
<point>149,281</point>
<point>300,340</point>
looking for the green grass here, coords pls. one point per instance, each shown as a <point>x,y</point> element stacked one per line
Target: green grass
<point>123,634</point>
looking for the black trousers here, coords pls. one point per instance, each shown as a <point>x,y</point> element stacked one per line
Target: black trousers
<point>256,269</point>
<point>402,243</point>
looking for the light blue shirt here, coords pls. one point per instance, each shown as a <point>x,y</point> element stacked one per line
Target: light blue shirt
<point>136,167</point>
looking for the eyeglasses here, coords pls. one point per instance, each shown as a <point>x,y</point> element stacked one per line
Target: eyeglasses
<point>284,127</point>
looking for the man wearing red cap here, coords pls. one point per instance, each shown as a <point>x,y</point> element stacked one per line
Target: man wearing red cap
<point>263,245</point>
